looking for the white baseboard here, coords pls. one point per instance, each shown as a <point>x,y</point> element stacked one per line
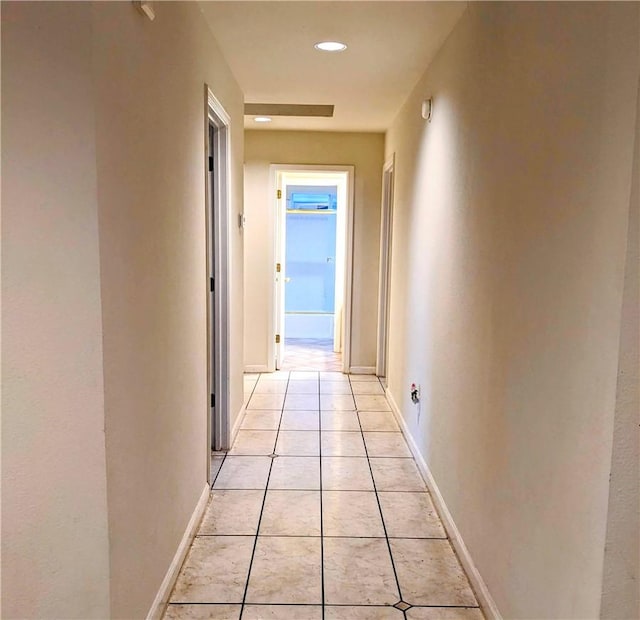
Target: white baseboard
<point>236,426</point>
<point>162,597</point>
<point>483,595</point>
<point>256,368</point>
<point>362,370</point>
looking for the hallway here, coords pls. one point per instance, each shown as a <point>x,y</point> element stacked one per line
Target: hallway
<point>491,260</point>
<point>345,526</point>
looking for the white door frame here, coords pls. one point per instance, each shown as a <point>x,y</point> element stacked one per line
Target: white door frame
<point>275,173</point>
<point>217,226</point>
<point>384,279</point>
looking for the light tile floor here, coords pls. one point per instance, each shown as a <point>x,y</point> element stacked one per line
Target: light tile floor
<point>319,512</point>
<point>310,354</point>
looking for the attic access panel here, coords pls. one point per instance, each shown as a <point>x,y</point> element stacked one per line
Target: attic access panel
<point>288,109</point>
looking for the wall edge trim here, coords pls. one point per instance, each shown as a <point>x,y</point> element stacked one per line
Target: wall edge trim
<point>488,605</point>
<point>161,600</point>
<point>362,370</point>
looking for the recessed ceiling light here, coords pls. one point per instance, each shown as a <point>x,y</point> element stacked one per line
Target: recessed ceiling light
<point>262,119</point>
<point>330,46</point>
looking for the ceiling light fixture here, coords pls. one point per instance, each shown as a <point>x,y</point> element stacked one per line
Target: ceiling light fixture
<point>262,119</point>
<point>330,46</point>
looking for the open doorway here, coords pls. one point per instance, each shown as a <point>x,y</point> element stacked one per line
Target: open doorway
<point>312,283</point>
<point>311,226</point>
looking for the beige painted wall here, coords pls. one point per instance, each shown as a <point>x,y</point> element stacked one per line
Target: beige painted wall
<point>511,212</point>
<point>150,80</point>
<point>620,591</point>
<point>104,274</point>
<point>55,561</point>
<point>362,150</point>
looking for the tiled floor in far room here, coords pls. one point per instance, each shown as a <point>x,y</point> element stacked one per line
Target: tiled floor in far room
<point>310,354</point>
<point>319,511</point>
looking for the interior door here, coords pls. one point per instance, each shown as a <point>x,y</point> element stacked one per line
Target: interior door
<point>385,270</point>
<point>214,421</point>
<point>279,270</point>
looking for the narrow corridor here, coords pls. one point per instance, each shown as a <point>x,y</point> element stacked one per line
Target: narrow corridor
<point>319,511</point>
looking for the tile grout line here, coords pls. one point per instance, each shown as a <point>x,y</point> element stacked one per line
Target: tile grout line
<point>264,499</point>
<point>332,490</point>
<point>311,456</point>
<point>303,430</point>
<point>384,525</point>
<point>318,536</point>
<point>253,391</point>
<point>224,458</point>
<point>376,605</point>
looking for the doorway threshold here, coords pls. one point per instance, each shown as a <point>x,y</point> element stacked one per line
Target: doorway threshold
<point>311,354</point>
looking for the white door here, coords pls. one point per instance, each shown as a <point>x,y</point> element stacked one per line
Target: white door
<point>211,180</point>
<point>280,267</point>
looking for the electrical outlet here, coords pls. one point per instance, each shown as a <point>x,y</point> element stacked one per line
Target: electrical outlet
<point>415,393</point>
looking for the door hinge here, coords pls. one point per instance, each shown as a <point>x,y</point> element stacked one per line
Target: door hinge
<point>278,267</point>
<point>213,400</point>
<point>210,164</point>
<point>212,285</point>
<point>279,194</point>
<point>277,338</point>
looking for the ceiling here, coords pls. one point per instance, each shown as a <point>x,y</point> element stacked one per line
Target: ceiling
<point>269,47</point>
